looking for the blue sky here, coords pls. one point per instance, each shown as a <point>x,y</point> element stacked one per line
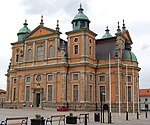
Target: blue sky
<point>101,13</point>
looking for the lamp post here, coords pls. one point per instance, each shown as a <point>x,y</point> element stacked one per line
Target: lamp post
<point>127,92</point>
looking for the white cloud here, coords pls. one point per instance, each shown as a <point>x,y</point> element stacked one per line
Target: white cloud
<point>100,12</point>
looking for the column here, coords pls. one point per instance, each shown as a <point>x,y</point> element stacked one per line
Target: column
<point>63,87</point>
<point>68,87</point>
<point>32,86</point>
<point>82,87</point>
<point>54,86</point>
<point>17,88</point>
<point>34,52</point>
<point>44,87</point>
<point>10,90</point>
<point>46,49</point>
<point>23,87</point>
<point>24,52</point>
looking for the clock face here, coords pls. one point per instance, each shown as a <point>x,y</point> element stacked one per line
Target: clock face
<point>38,78</point>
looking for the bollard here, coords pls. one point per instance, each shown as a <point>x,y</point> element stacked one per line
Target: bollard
<point>126,115</point>
<point>146,114</point>
<point>85,123</point>
<point>109,118</point>
<point>137,115</point>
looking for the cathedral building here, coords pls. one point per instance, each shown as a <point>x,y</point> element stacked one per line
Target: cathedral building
<point>81,72</point>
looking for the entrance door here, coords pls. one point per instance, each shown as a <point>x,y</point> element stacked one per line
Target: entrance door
<point>37,99</point>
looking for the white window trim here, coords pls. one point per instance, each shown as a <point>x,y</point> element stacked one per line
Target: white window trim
<point>26,93</point>
<point>73,77</point>
<point>47,92</point>
<point>78,92</point>
<point>100,80</point>
<point>26,79</point>
<point>52,78</point>
<point>74,49</point>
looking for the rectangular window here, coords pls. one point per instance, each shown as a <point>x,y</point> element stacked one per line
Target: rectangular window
<point>91,93</point>
<point>102,78</point>
<point>129,93</point>
<point>27,78</point>
<point>27,93</point>
<point>15,80</point>
<point>76,51</point>
<point>91,77</point>
<point>50,77</point>
<point>129,78</point>
<point>75,93</point>
<point>14,95</point>
<point>75,76</point>
<point>49,95</point>
<point>102,93</point>
<point>40,53</point>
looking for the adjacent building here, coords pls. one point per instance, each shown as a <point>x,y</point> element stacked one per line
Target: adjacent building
<point>144,99</point>
<point>81,72</point>
<point>2,97</point>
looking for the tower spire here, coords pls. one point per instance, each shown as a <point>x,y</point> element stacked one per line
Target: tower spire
<point>57,26</point>
<point>41,23</point>
<point>123,28</point>
<point>118,30</point>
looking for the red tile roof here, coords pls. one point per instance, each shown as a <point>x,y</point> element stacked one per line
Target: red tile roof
<point>144,92</point>
<point>2,91</point>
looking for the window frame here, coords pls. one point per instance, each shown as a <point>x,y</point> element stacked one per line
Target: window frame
<point>76,49</point>
<point>51,51</point>
<point>104,93</point>
<point>30,55</point>
<point>28,93</point>
<point>14,81</point>
<point>40,54</point>
<point>28,78</point>
<point>50,98</point>
<point>74,76</point>
<point>52,76</point>
<point>102,78</point>
<point>129,78</point>
<point>75,93</point>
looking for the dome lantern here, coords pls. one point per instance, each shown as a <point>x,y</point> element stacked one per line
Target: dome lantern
<point>80,20</point>
<point>23,31</point>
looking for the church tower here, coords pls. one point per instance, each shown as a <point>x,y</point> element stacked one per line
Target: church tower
<point>81,58</point>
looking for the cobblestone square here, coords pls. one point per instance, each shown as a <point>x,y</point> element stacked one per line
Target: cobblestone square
<point>46,113</point>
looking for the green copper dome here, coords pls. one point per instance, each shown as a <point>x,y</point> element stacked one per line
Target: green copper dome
<point>80,15</point>
<point>128,55</point>
<point>80,20</point>
<point>107,34</point>
<point>23,31</point>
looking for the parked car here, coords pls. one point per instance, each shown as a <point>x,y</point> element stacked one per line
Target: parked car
<point>62,108</point>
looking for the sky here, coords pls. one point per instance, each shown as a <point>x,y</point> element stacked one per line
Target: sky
<point>101,13</point>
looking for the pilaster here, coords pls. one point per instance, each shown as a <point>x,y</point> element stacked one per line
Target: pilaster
<point>23,87</point>
<point>63,87</point>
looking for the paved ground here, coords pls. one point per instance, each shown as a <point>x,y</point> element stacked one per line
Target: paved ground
<point>116,118</point>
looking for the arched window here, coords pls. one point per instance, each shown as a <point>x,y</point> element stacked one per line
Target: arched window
<point>30,54</point>
<point>17,58</point>
<point>90,50</point>
<point>51,51</point>
<point>40,53</point>
<point>76,51</point>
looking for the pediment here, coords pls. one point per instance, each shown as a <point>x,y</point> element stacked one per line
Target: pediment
<point>39,32</point>
<point>127,36</point>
